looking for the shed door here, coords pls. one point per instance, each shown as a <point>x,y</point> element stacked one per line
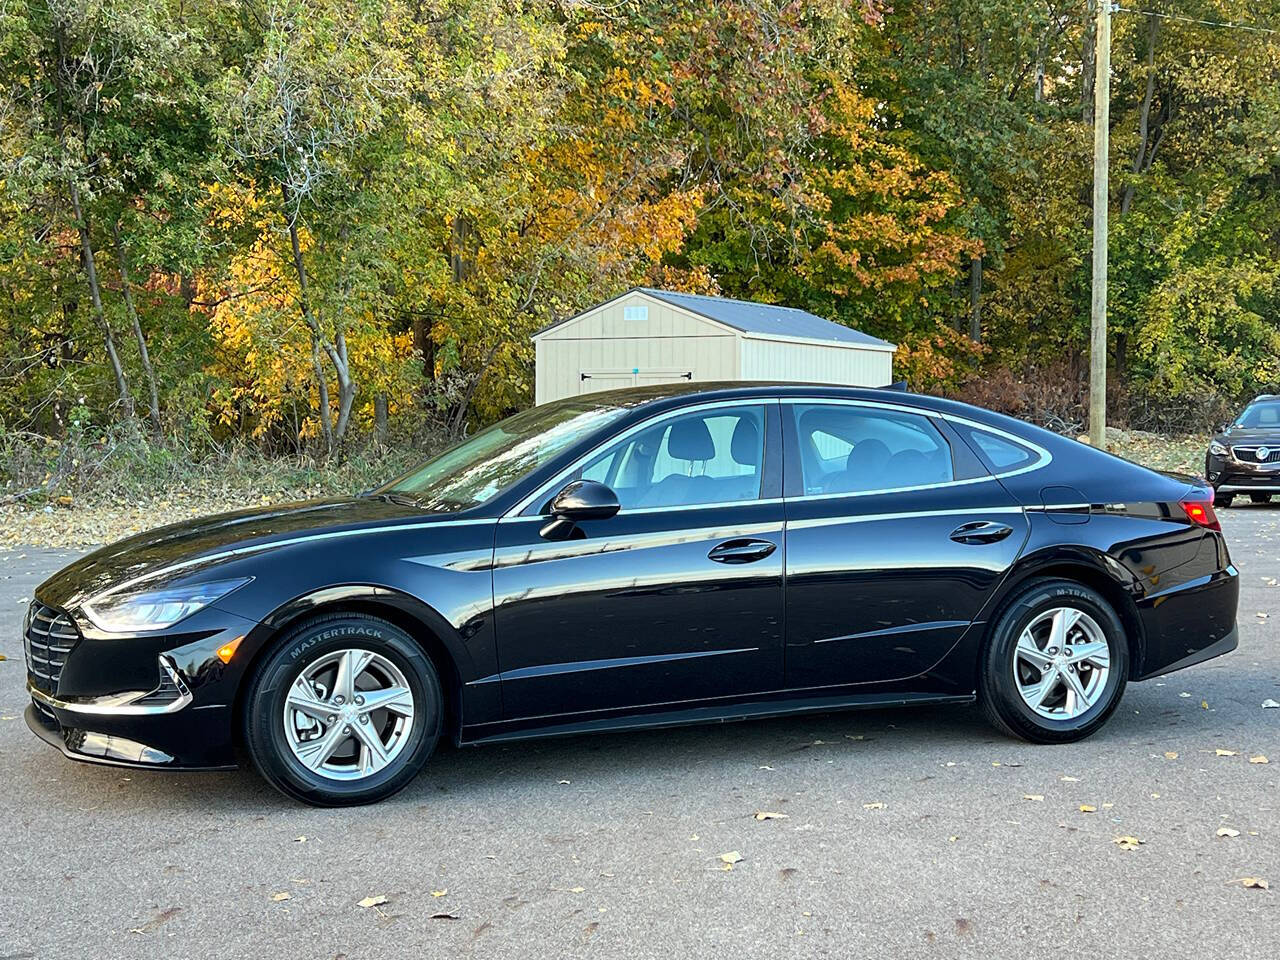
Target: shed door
<point>593,381</point>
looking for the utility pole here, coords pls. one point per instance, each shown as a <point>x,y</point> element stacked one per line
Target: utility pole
<point>1098,305</point>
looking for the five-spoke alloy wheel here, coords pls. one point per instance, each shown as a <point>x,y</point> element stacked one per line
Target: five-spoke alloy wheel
<point>1055,663</point>
<point>344,710</point>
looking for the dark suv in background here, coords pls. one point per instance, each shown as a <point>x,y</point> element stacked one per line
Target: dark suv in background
<point>1244,456</point>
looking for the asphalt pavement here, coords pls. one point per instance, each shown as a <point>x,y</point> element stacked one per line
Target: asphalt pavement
<point>905,834</point>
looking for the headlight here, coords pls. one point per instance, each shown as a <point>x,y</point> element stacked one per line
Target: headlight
<point>1217,449</point>
<point>155,609</point>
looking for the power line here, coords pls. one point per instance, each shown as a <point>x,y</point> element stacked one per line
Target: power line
<point>1223,24</point>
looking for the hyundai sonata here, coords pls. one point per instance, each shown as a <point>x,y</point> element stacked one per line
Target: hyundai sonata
<point>638,558</point>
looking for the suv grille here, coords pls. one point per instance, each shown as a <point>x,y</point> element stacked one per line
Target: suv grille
<point>50,635</point>
<point>1250,454</point>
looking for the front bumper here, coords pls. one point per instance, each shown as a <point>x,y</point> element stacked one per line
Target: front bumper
<point>155,701</point>
<point>1229,475</point>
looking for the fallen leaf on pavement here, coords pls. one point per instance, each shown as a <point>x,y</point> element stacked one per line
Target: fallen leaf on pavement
<point>1086,808</point>
<point>873,806</point>
<point>1170,755</point>
<point>770,815</point>
<point>299,839</point>
<point>1254,883</point>
<point>377,901</point>
<point>577,889</point>
<point>1269,704</point>
<point>1224,753</point>
<point>732,857</point>
<point>1128,843</point>
<point>279,897</point>
<point>1069,779</point>
<point>1227,832</point>
<point>1259,759</point>
<point>1038,797</point>
<point>439,893</point>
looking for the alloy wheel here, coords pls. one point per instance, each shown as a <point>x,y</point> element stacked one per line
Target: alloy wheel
<point>1061,663</point>
<point>348,714</point>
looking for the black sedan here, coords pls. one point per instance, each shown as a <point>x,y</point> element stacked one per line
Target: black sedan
<point>1244,455</point>
<point>640,558</point>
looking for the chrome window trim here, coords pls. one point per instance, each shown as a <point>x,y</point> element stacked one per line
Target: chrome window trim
<point>562,478</point>
<point>121,704</point>
<point>1044,457</point>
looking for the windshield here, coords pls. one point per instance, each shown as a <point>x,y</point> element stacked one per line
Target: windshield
<point>1260,415</point>
<point>484,465</point>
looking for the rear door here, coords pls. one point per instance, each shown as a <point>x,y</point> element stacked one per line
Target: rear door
<point>896,536</point>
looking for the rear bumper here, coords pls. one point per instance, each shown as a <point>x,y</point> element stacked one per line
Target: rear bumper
<point>1188,623</point>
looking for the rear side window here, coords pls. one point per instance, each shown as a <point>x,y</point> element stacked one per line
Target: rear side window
<point>853,449</point>
<point>1000,454</point>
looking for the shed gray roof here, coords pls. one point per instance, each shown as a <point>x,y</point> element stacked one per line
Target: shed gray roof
<point>765,318</point>
<point>761,319</point>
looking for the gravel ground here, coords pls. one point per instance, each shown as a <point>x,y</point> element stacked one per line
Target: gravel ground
<point>906,834</point>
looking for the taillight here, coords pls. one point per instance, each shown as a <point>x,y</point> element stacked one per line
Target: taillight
<point>1200,512</point>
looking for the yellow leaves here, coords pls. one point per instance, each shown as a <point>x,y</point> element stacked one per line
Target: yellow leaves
<point>1227,832</point>
<point>1259,759</point>
<point>729,859</point>
<point>873,806</point>
<point>770,815</point>
<point>1037,797</point>
<point>373,901</point>
<point>1224,753</point>
<point>1128,843</point>
<point>1088,808</point>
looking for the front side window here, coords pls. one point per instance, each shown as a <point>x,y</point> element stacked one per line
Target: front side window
<point>709,456</point>
<point>854,449</point>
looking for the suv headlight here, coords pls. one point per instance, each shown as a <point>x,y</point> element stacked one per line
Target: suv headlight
<point>127,612</point>
<point>1217,449</point>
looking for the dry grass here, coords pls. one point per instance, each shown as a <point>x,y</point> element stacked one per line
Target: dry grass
<point>139,487</point>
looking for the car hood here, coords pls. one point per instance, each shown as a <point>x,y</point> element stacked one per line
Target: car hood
<point>183,545</point>
<point>1238,435</point>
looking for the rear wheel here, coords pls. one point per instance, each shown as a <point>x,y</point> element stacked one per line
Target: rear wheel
<point>1259,498</point>
<point>1223,499</point>
<point>1055,663</point>
<point>345,710</point>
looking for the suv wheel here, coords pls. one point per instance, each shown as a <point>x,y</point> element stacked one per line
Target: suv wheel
<point>1055,663</point>
<point>1259,498</point>
<point>345,710</point>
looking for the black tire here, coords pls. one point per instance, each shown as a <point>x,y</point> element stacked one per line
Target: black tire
<point>997,690</point>
<point>1223,499</point>
<point>264,702</point>
<point>1259,498</point>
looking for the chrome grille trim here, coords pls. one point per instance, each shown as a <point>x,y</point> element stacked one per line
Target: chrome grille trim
<point>171,695</point>
<point>49,635</point>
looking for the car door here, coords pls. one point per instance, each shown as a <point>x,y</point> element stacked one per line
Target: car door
<point>896,536</point>
<point>678,597</point>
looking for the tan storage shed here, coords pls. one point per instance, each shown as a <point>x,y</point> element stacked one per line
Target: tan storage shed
<point>648,336</point>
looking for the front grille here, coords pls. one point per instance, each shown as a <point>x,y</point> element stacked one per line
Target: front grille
<point>1251,454</point>
<point>50,635</point>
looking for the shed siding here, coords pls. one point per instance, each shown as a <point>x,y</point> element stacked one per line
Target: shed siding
<point>815,363</point>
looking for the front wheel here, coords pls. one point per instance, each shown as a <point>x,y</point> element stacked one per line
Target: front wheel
<point>344,710</point>
<point>1259,498</point>
<point>1055,663</point>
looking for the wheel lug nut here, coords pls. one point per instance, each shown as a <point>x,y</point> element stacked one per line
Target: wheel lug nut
<point>364,718</point>
<point>346,729</point>
<point>332,718</point>
<point>338,699</point>
<point>359,701</point>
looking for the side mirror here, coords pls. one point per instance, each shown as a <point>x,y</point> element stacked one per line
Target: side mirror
<point>579,500</point>
<point>1220,427</point>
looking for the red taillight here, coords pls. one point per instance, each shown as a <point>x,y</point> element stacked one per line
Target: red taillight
<point>1200,512</point>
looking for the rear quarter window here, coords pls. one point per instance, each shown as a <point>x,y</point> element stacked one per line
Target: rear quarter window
<point>1000,454</point>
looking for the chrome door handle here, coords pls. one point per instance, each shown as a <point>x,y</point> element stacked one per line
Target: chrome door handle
<point>981,531</point>
<point>742,551</point>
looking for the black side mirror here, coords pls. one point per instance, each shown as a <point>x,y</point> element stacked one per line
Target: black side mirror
<point>579,500</point>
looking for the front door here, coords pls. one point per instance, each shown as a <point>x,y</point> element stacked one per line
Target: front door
<point>896,537</point>
<point>676,598</point>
